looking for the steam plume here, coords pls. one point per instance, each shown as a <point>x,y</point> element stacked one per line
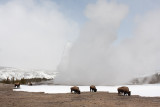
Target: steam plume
<point>93,59</point>
<point>89,59</point>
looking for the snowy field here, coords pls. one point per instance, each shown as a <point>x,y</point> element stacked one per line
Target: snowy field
<point>148,90</point>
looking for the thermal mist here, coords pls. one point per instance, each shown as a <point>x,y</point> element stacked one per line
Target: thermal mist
<point>95,59</point>
<point>33,34</point>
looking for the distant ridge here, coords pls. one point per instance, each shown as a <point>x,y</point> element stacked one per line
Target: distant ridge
<point>9,72</point>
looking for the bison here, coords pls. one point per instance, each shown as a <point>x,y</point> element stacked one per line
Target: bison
<point>124,90</point>
<point>93,88</point>
<point>76,90</point>
<point>17,85</point>
<point>30,83</point>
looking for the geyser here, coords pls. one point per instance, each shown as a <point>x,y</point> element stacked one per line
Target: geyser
<point>94,59</point>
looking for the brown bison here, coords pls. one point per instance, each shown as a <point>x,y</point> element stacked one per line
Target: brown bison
<point>17,85</point>
<point>30,83</point>
<point>93,88</point>
<point>76,90</point>
<point>124,90</point>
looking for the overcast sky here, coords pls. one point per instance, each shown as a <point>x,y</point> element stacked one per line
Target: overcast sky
<point>35,33</point>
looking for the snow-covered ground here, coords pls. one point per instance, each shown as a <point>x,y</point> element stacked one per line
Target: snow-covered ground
<point>9,72</point>
<point>148,90</point>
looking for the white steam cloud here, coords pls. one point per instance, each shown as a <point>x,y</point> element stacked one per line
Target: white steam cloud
<point>33,34</point>
<point>89,58</point>
<point>93,59</point>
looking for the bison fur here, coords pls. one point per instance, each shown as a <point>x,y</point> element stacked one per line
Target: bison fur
<point>75,90</point>
<point>93,88</point>
<point>124,90</point>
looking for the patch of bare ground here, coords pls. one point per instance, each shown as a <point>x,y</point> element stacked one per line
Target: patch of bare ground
<point>9,98</point>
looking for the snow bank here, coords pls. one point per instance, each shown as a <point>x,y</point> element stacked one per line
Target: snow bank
<point>142,90</point>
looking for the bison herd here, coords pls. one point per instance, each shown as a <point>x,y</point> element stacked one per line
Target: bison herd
<point>17,85</point>
<point>121,90</point>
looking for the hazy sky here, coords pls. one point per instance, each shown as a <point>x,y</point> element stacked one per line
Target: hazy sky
<point>36,33</point>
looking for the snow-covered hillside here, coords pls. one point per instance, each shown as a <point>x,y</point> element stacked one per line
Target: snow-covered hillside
<point>147,79</point>
<point>27,74</point>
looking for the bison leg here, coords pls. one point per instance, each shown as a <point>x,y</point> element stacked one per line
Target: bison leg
<point>129,93</point>
<point>119,92</point>
<point>76,92</point>
<point>125,93</point>
<point>91,90</point>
